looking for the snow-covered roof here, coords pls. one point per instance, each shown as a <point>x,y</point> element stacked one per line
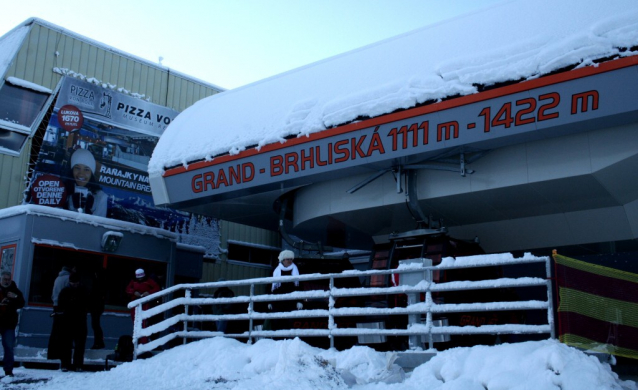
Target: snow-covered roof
<point>88,219</point>
<point>28,85</point>
<point>510,41</point>
<point>9,45</point>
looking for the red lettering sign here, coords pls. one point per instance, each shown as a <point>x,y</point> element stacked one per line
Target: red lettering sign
<point>70,117</point>
<point>48,190</point>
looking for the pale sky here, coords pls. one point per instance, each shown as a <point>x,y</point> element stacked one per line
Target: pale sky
<point>231,43</point>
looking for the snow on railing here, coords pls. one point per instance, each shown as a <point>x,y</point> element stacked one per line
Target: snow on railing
<point>174,326</point>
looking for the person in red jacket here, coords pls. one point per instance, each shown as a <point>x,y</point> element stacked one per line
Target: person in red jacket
<point>140,287</point>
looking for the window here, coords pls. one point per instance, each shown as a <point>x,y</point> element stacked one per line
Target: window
<point>20,105</point>
<point>48,262</point>
<point>11,140</point>
<point>252,254</point>
<point>19,108</point>
<point>117,272</point>
<point>7,258</point>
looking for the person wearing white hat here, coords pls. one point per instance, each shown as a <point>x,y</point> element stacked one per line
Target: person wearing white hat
<point>85,194</point>
<point>286,267</point>
<point>141,287</point>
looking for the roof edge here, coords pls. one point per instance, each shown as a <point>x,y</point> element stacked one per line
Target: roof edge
<point>26,23</point>
<point>62,30</point>
<point>503,89</point>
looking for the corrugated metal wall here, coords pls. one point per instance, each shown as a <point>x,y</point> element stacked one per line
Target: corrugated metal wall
<point>250,234</point>
<point>46,48</point>
<point>233,271</point>
<point>12,173</point>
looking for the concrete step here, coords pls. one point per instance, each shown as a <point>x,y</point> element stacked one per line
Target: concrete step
<point>408,360</point>
<point>92,357</point>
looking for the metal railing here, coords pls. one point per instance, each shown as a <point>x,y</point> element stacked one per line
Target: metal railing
<point>177,310</point>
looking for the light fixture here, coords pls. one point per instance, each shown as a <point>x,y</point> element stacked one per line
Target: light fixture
<point>111,241</point>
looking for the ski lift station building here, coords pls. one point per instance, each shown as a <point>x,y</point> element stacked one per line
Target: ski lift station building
<point>514,125</point>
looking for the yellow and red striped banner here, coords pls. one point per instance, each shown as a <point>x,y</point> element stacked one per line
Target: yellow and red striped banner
<point>598,307</point>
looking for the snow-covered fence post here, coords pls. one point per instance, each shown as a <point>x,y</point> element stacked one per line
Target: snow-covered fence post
<point>412,279</point>
<point>187,295</point>
<point>331,319</point>
<point>250,313</point>
<point>137,328</point>
<point>550,298</point>
<point>429,302</point>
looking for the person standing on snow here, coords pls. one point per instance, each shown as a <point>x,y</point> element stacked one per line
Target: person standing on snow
<point>224,308</point>
<point>11,299</point>
<point>286,267</point>
<point>62,281</point>
<point>73,306</point>
<point>141,287</point>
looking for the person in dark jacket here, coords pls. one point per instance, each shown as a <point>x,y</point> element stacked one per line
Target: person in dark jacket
<point>223,308</point>
<point>73,306</point>
<point>11,299</point>
<point>62,281</point>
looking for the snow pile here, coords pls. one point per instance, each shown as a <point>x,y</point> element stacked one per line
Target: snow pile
<point>541,365</point>
<point>513,40</point>
<point>220,363</point>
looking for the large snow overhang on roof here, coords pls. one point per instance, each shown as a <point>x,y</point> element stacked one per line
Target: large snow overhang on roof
<point>548,107</point>
<point>404,101</point>
<point>512,41</point>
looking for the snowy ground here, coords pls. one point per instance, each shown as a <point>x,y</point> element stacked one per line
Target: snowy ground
<point>220,363</point>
